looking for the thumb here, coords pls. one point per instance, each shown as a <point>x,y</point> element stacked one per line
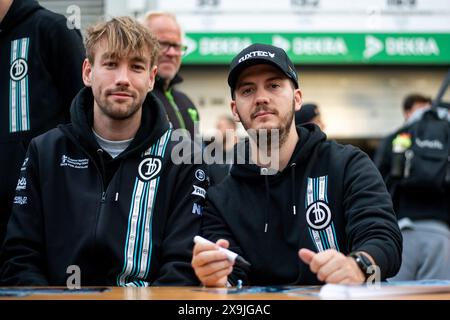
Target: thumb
<point>306,255</point>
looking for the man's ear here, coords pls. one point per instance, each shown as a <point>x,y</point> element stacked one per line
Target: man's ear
<point>151,82</point>
<point>87,73</point>
<point>234,111</point>
<point>298,99</point>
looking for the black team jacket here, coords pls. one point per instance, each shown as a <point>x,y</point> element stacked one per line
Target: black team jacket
<point>40,74</point>
<point>127,221</point>
<point>329,196</point>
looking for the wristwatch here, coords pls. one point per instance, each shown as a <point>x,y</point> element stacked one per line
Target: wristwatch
<point>363,263</point>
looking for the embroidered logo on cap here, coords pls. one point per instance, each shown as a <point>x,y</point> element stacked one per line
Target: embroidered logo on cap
<point>256,54</point>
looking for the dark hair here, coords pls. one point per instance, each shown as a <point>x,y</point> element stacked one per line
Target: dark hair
<point>412,99</point>
<point>307,113</point>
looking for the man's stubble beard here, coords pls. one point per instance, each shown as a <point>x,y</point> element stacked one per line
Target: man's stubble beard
<point>264,137</point>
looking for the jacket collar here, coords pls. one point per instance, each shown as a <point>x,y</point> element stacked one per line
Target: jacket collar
<point>18,11</point>
<point>154,122</point>
<point>159,82</point>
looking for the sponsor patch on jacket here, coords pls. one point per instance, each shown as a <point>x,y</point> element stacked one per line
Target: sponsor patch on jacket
<point>197,209</point>
<point>19,115</point>
<point>200,175</point>
<point>24,164</point>
<point>149,168</point>
<point>74,163</point>
<point>20,200</point>
<point>21,184</point>
<point>199,192</point>
<point>318,214</point>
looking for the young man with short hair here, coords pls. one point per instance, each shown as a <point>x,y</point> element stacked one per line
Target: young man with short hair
<point>102,193</point>
<point>324,216</point>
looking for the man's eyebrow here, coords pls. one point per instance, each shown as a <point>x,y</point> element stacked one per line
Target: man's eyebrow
<point>107,55</point>
<point>247,83</point>
<point>139,59</point>
<point>242,84</point>
<point>276,78</point>
<point>112,55</point>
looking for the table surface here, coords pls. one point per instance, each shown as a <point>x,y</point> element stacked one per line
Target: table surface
<point>186,293</point>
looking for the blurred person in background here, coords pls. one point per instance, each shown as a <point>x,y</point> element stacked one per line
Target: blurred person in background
<point>222,149</point>
<point>180,109</point>
<point>309,113</point>
<point>226,130</point>
<point>412,103</point>
<point>423,213</point>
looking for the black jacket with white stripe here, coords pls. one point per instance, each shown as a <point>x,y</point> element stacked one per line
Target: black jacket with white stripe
<point>329,196</point>
<point>40,74</point>
<point>123,221</point>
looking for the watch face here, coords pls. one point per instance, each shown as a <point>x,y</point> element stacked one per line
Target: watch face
<point>362,261</point>
<point>365,261</point>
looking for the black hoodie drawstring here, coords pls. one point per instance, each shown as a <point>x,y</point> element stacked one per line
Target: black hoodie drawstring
<point>102,165</point>
<point>118,181</point>
<point>294,207</point>
<point>266,217</point>
<point>264,172</point>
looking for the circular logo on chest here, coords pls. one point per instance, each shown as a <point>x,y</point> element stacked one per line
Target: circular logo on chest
<point>19,69</point>
<point>149,168</point>
<point>318,215</point>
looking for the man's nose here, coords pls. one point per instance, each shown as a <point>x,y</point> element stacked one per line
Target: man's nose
<point>122,76</point>
<point>261,97</point>
<point>172,52</point>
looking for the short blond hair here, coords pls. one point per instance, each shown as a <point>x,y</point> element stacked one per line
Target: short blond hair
<point>155,14</point>
<point>124,36</point>
<point>151,15</point>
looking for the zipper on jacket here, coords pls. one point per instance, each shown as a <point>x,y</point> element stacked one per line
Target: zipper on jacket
<point>99,170</point>
<point>102,172</point>
<point>103,197</point>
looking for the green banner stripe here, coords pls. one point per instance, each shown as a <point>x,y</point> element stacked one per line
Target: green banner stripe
<point>325,48</point>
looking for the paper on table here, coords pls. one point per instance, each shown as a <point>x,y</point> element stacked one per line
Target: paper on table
<point>335,291</point>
